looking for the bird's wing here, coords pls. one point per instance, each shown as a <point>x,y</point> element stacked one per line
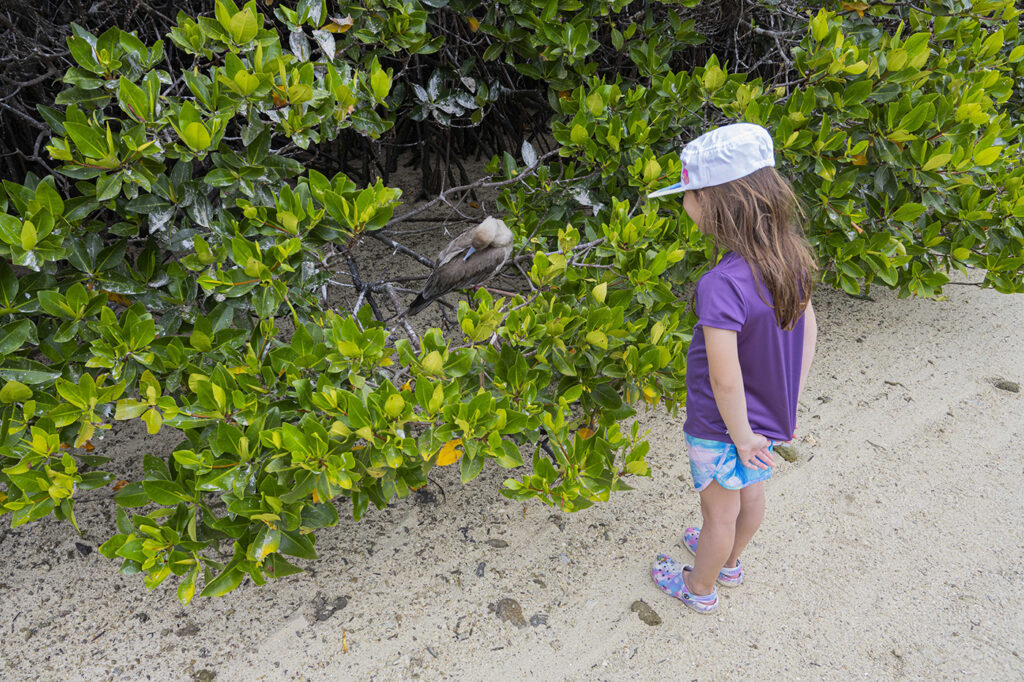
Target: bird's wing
<point>457,273</point>
<point>456,247</point>
<point>484,264</point>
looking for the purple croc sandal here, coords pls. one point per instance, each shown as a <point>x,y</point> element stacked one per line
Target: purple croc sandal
<point>668,575</point>
<point>729,577</point>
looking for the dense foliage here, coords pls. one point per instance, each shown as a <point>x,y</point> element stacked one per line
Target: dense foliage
<point>177,266</point>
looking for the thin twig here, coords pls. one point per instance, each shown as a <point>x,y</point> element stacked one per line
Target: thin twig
<point>402,249</point>
<point>525,276</point>
<point>365,290</point>
<point>402,318</point>
<point>481,183</point>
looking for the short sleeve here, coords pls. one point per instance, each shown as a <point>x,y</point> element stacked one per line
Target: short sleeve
<point>719,303</point>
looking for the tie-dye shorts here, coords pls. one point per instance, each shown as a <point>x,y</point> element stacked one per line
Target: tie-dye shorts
<point>712,460</point>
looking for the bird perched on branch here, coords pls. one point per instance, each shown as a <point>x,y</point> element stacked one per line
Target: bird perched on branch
<point>470,259</point>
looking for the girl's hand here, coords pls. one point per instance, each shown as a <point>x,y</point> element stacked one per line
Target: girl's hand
<point>754,452</point>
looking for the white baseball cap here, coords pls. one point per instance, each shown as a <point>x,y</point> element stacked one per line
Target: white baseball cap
<point>722,155</point>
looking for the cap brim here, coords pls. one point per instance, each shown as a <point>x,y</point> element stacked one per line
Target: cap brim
<point>671,189</point>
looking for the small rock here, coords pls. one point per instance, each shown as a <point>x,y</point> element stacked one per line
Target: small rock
<point>323,608</point>
<point>142,616</point>
<point>424,496</point>
<point>509,611</point>
<point>83,549</point>
<point>499,544</point>
<point>538,619</point>
<point>188,631</point>
<point>480,569</point>
<point>1004,385</point>
<point>540,581</point>
<point>204,676</point>
<point>787,452</point>
<point>824,399</point>
<point>558,521</point>
<point>684,478</point>
<point>645,612</point>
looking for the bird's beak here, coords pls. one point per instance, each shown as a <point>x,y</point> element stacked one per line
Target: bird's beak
<point>469,253</point>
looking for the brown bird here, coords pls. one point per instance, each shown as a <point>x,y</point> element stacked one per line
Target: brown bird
<point>472,258</point>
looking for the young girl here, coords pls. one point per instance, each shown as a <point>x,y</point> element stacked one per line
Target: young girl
<point>751,349</point>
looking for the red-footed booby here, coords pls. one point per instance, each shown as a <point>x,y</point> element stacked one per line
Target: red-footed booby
<point>470,259</point>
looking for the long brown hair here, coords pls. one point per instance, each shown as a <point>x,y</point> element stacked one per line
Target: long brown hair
<point>759,218</point>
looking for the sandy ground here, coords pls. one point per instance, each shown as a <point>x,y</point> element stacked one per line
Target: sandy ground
<point>893,548</point>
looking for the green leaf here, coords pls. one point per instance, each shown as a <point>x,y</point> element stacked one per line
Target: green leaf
<point>187,587</point>
<point>319,515</point>
<point>153,420</point>
<point>908,212</point>
<point>295,544</point>
<point>132,495</point>
<point>108,186</point>
<point>579,135</point>
<point>510,456</point>
<point>819,25</point>
<point>8,280</point>
<point>230,578</point>
<point>110,548</point>
<point>88,140</point>
<point>27,371</point>
<point>380,82</point>
<point>266,542</point>
<point>276,566</point>
<point>916,117</point>
<point>48,198</point>
<point>992,44</point>
<point>394,405</point>
<point>129,408</point>
<point>133,99</point>
<point>29,236</point>
<point>598,338</point>
<point>714,78</point>
<point>606,396</point>
<point>13,335</point>
<point>196,136</point>
<point>470,468</point>
<point>987,157</point>
<point>15,392</point>
<point>936,161</point>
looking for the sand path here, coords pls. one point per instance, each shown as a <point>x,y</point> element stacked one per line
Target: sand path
<point>892,548</point>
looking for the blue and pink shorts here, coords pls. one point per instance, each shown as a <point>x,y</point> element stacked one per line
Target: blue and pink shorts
<point>712,460</point>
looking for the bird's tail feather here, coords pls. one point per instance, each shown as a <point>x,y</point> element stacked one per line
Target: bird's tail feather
<point>418,304</point>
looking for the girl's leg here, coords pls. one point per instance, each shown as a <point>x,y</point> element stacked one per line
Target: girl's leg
<point>720,508</point>
<point>748,521</point>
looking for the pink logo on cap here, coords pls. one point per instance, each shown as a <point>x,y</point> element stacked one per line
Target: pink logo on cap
<point>686,177</point>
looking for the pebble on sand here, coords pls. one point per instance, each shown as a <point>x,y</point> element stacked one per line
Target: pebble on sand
<point>509,611</point>
<point>1004,385</point>
<point>787,452</point>
<point>645,612</point>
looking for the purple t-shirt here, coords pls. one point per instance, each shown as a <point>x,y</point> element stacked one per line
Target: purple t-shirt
<point>770,358</point>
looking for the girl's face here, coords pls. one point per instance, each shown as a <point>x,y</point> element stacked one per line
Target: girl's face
<point>692,207</point>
